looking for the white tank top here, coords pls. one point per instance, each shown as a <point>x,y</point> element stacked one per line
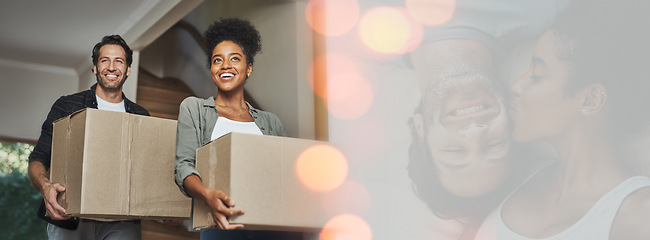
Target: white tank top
<point>595,224</point>
<point>224,126</point>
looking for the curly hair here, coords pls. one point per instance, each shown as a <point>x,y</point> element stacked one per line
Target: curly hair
<point>240,31</point>
<point>113,40</point>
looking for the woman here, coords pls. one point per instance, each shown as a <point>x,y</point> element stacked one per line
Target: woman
<point>234,44</point>
<point>582,94</point>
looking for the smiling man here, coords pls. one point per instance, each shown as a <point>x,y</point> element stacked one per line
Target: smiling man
<point>461,156</point>
<point>112,59</point>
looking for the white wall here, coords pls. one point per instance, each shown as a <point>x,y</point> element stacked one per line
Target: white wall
<point>27,92</point>
<point>280,80</point>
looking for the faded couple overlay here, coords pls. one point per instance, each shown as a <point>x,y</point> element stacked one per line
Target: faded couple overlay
<point>491,120</point>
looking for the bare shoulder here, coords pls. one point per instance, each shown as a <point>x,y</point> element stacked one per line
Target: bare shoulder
<point>633,216</point>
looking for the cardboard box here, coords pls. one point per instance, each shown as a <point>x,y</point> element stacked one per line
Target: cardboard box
<point>117,165</point>
<point>258,172</point>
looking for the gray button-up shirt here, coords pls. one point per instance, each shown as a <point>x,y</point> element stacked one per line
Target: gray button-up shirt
<point>196,120</point>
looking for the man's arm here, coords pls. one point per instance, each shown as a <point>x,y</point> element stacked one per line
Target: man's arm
<point>49,191</point>
<point>39,163</point>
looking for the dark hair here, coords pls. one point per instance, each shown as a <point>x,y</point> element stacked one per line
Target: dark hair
<point>240,31</point>
<point>606,42</point>
<point>421,167</point>
<point>113,40</point>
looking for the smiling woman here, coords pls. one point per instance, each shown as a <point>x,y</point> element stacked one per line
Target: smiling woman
<point>233,44</point>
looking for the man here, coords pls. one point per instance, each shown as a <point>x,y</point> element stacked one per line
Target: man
<point>112,59</point>
<point>462,158</point>
<point>460,154</point>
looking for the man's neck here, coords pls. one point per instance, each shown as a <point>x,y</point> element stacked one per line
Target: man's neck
<point>109,96</point>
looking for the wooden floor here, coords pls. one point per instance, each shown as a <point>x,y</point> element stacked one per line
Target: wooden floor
<point>154,230</point>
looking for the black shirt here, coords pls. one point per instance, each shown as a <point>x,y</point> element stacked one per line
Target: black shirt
<point>63,107</point>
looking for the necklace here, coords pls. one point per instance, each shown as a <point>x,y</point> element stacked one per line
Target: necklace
<point>231,110</point>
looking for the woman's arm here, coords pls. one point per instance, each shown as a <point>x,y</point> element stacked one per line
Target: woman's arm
<point>220,205</point>
<point>188,139</point>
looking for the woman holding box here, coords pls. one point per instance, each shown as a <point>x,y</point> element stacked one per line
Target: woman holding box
<point>234,44</point>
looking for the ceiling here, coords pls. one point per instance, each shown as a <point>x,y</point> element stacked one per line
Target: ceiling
<point>62,33</point>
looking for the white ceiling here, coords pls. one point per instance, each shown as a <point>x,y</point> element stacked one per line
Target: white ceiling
<point>62,33</point>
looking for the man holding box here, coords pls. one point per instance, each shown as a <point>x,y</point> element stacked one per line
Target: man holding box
<point>112,59</point>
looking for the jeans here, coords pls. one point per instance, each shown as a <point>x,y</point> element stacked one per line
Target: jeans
<point>89,229</point>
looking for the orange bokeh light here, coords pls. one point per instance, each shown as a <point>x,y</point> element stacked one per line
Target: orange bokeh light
<point>355,105</point>
<point>339,80</point>
<point>335,76</point>
<point>322,168</point>
<point>346,227</point>
<point>390,30</point>
<point>332,17</point>
<point>431,12</point>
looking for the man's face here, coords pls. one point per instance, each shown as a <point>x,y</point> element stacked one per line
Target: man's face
<point>468,136</point>
<point>111,70</point>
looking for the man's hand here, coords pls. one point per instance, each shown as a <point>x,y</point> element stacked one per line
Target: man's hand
<point>221,208</point>
<point>40,180</point>
<point>50,191</point>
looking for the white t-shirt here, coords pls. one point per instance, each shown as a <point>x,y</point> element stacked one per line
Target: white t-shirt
<point>105,105</point>
<point>224,126</point>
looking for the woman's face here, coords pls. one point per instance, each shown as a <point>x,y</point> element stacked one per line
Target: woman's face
<point>229,67</point>
<point>541,107</point>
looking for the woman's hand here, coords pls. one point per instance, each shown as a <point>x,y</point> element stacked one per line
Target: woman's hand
<point>221,208</point>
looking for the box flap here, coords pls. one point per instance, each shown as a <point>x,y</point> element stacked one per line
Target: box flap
<point>71,115</point>
<point>213,163</point>
<point>104,171</point>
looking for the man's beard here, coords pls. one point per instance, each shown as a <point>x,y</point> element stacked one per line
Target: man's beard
<point>437,94</point>
<point>110,88</point>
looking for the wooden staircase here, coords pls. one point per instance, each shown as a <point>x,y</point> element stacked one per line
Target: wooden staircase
<point>161,96</point>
